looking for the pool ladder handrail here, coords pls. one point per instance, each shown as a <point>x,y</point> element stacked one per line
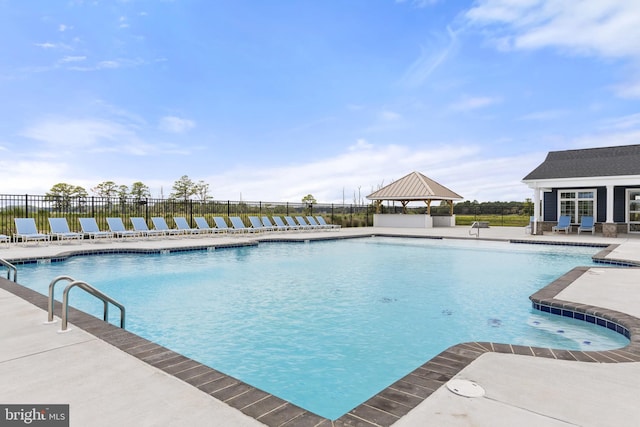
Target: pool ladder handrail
<point>10,268</point>
<point>476,225</point>
<point>106,299</point>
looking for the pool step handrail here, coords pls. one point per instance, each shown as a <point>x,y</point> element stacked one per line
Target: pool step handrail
<point>475,225</point>
<point>10,268</point>
<point>106,299</point>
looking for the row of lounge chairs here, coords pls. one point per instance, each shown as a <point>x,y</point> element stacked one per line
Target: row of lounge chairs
<point>26,229</point>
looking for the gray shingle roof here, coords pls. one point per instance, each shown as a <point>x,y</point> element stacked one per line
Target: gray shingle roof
<point>591,162</point>
<point>414,187</point>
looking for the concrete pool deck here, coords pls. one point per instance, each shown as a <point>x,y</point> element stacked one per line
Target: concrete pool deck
<point>106,386</point>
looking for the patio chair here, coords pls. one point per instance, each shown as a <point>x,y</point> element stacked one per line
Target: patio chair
<point>304,224</point>
<point>586,224</point>
<point>221,225</point>
<point>160,224</point>
<point>90,229</point>
<point>321,221</point>
<point>267,223</point>
<point>256,224</point>
<point>203,226</point>
<point>140,225</point>
<point>239,226</point>
<point>282,226</point>
<point>26,230</point>
<point>182,224</point>
<point>5,239</point>
<point>291,223</point>
<point>60,230</point>
<point>312,221</point>
<point>564,224</point>
<point>116,226</point>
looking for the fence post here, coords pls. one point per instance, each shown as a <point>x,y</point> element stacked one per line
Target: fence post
<point>228,208</point>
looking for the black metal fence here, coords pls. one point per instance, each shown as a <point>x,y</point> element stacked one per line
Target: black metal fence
<point>43,207</point>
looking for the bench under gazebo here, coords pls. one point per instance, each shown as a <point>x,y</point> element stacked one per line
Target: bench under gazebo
<point>414,187</point>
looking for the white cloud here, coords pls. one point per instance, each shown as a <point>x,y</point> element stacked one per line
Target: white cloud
<point>175,124</point>
<point>46,45</point>
<point>73,59</point>
<point>625,122</point>
<point>473,103</point>
<point>62,28</point>
<point>389,116</point>
<point>545,115</point>
<point>431,57</point>
<point>608,28</point>
<point>593,28</point>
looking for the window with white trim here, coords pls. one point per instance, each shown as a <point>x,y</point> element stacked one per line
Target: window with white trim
<point>577,203</point>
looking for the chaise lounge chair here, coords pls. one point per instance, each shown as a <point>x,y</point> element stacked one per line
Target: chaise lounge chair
<point>291,223</point>
<point>26,230</point>
<point>116,226</point>
<point>90,229</point>
<point>267,223</point>
<point>586,224</point>
<point>160,224</point>
<point>203,226</point>
<point>140,225</point>
<point>239,226</point>
<point>321,221</point>
<point>5,239</point>
<point>257,225</point>
<point>304,224</point>
<point>60,230</point>
<point>222,226</point>
<point>282,226</point>
<point>564,224</point>
<point>182,224</point>
<point>312,221</point>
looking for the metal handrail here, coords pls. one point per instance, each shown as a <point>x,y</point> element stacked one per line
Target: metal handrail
<point>475,225</point>
<point>96,293</point>
<point>10,268</point>
<point>51,288</point>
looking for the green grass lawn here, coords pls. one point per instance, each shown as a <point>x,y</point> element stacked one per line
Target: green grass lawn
<point>495,220</point>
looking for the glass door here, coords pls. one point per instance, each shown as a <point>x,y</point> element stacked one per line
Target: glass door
<point>633,210</point>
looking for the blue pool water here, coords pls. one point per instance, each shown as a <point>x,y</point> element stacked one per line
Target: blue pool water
<point>326,325</point>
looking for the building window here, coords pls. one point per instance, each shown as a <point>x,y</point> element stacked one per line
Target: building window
<point>577,203</point>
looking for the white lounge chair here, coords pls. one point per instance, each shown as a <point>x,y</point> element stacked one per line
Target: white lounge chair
<point>239,226</point>
<point>267,223</point>
<point>203,226</point>
<point>5,239</point>
<point>321,221</point>
<point>221,225</point>
<point>116,226</point>
<point>140,225</point>
<point>291,223</point>
<point>303,223</point>
<point>258,225</point>
<point>60,230</point>
<point>160,224</point>
<point>282,226</point>
<point>90,229</point>
<point>312,221</point>
<point>26,230</point>
<point>182,224</point>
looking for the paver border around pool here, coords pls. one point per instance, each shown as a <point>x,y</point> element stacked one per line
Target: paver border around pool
<point>387,406</point>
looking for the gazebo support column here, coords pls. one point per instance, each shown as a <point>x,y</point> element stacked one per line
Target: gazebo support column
<point>428,202</point>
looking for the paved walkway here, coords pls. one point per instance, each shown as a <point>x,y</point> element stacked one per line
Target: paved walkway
<point>106,386</point>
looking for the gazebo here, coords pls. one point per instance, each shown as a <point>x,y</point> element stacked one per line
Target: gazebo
<point>414,187</point>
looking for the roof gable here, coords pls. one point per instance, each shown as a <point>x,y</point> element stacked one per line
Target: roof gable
<point>414,186</point>
<point>591,162</point>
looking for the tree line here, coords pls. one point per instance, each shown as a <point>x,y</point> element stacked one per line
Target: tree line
<point>183,189</point>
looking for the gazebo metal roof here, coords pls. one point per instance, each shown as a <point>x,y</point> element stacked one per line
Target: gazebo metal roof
<point>414,187</point>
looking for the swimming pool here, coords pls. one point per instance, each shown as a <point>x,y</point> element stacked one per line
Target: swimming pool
<point>326,325</point>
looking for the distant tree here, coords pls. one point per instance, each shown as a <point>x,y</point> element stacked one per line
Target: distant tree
<point>105,189</point>
<point>139,191</point>
<point>122,191</point>
<point>62,193</point>
<point>309,199</point>
<point>183,189</point>
<point>202,190</point>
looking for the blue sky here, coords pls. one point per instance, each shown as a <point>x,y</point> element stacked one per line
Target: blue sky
<point>273,100</point>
